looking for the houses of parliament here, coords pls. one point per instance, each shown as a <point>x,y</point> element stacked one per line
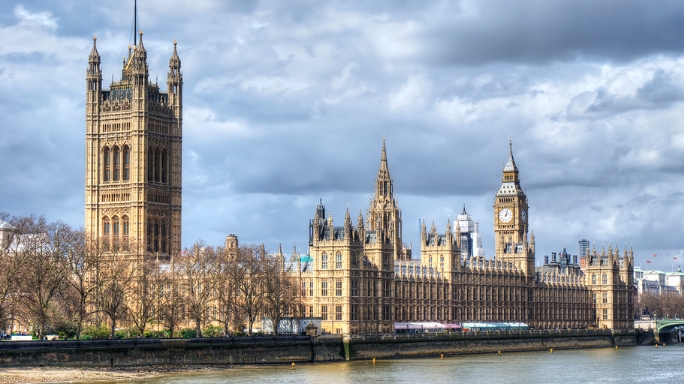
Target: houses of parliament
<point>362,277</point>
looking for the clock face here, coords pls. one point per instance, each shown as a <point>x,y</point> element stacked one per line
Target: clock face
<point>523,216</point>
<point>505,215</point>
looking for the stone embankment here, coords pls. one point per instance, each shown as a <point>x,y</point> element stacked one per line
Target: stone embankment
<point>288,349</point>
<point>427,344</point>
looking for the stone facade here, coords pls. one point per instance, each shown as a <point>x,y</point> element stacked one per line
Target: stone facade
<point>133,155</point>
<point>361,278</point>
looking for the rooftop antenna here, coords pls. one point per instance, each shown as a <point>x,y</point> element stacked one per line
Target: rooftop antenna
<point>135,22</point>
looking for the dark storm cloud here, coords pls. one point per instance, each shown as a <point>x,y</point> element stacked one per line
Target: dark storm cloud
<point>542,32</point>
<point>287,102</point>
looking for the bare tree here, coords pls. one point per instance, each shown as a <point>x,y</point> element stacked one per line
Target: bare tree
<point>114,280</point>
<point>247,272</point>
<point>45,249</point>
<point>226,290</point>
<point>661,305</point>
<point>280,296</point>
<point>84,258</point>
<point>170,298</point>
<point>199,266</point>
<point>142,308</point>
<point>11,263</point>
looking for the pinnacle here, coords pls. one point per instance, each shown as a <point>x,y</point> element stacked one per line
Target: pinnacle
<point>510,163</point>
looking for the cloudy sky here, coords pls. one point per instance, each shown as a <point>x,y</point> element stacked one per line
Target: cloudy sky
<point>286,103</point>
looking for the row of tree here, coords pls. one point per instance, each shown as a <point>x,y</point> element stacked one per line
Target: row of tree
<point>659,306</point>
<point>53,279</point>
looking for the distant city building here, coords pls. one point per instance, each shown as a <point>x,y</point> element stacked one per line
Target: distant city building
<point>5,235</point>
<point>469,232</point>
<point>583,249</point>
<point>658,282</point>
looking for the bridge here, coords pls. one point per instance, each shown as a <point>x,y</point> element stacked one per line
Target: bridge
<point>667,325</point>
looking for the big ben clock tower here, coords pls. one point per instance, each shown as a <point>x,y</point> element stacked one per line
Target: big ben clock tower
<point>511,220</point>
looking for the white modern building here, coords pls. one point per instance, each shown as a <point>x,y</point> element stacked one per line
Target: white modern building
<point>469,232</point>
<point>659,282</point>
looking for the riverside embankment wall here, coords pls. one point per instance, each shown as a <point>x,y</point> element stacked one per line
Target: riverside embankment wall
<point>288,349</point>
<point>427,344</point>
<point>148,352</point>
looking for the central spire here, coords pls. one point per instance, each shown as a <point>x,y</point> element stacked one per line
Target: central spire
<point>383,157</point>
<point>510,163</point>
<point>383,183</point>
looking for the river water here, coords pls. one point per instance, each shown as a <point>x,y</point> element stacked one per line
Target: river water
<point>645,364</point>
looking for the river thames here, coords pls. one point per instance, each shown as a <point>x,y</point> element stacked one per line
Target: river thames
<point>646,364</point>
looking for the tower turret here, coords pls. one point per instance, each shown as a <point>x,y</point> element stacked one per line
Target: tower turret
<point>174,82</point>
<point>511,219</point>
<point>384,217</point>
<point>93,80</point>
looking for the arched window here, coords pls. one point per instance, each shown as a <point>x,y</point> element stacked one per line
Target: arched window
<point>441,262</point>
<point>126,163</point>
<point>324,261</point>
<point>149,235</point>
<point>115,226</point>
<point>165,166</point>
<point>593,279</point>
<point>163,236</point>
<point>338,260</point>
<point>105,226</point>
<point>150,164</point>
<point>604,279</point>
<point>125,226</point>
<point>430,262</point>
<point>156,235</point>
<point>157,168</point>
<point>105,157</point>
<point>117,164</point>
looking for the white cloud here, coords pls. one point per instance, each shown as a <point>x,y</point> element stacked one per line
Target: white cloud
<point>285,103</point>
<point>414,94</point>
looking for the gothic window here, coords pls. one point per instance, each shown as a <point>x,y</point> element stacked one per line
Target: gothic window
<point>441,262</point>
<point>165,167</point>
<point>338,312</point>
<point>324,261</point>
<point>156,235</point>
<point>157,168</point>
<point>126,163</point>
<point>105,156</point>
<point>593,279</point>
<point>105,226</point>
<point>150,164</point>
<point>324,288</point>
<point>604,298</point>
<point>324,312</point>
<point>311,291</point>
<point>430,262</point>
<point>604,279</point>
<point>149,235</point>
<point>115,226</point>
<point>117,164</point>
<point>163,236</point>
<point>338,288</point>
<point>338,260</point>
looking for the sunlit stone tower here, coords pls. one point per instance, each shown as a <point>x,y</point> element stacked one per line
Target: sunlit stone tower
<point>511,220</point>
<point>133,155</point>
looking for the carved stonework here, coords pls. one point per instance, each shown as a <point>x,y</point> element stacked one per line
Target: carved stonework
<point>120,118</point>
